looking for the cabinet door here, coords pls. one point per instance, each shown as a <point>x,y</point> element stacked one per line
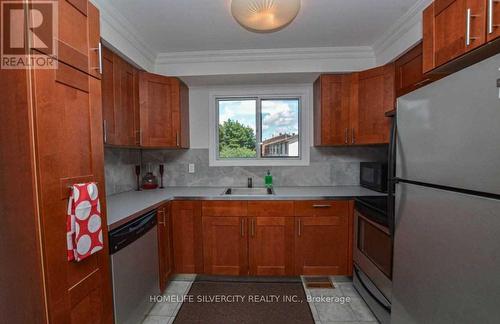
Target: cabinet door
<point>165,245</point>
<point>322,245</point>
<point>70,150</point>
<point>108,97</point>
<point>78,35</point>
<point>331,110</point>
<point>428,63</point>
<point>94,36</point>
<point>126,103</point>
<point>493,27</point>
<point>374,90</point>
<point>271,246</point>
<point>225,245</point>
<point>459,27</point>
<point>409,71</point>
<point>160,111</point>
<point>187,236</point>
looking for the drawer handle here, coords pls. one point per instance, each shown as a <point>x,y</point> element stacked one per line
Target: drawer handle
<point>322,206</point>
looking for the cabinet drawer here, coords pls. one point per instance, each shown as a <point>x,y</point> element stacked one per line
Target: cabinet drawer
<point>224,208</point>
<point>322,208</point>
<point>270,208</point>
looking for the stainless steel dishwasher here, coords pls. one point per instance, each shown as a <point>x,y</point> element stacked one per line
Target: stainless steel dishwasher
<point>134,265</point>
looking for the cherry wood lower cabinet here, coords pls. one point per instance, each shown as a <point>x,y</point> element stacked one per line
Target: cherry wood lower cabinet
<point>271,246</point>
<point>225,245</point>
<point>165,247</point>
<point>323,241</point>
<point>277,238</point>
<point>187,236</point>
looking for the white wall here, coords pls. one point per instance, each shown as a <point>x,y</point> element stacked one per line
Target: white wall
<point>199,107</point>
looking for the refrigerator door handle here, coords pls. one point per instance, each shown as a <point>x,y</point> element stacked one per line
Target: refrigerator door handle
<point>392,177</point>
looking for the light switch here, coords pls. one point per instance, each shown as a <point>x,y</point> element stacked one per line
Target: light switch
<point>191,167</point>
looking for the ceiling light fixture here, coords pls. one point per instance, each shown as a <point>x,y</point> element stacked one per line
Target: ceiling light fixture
<point>265,16</point>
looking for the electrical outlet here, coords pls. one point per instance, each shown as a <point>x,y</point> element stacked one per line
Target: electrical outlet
<point>191,168</point>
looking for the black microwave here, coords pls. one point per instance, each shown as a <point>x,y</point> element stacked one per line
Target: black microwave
<point>373,175</point>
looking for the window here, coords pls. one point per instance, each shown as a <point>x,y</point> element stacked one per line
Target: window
<point>258,128</point>
<point>264,127</point>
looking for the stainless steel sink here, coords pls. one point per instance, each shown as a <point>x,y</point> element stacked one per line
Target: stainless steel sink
<point>248,192</point>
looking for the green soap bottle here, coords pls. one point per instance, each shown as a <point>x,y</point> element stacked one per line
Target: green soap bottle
<point>268,180</point>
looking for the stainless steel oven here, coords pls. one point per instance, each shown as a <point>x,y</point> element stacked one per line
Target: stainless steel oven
<point>373,255</point>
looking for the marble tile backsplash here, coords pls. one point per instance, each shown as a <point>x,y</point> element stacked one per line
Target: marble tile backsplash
<point>328,167</point>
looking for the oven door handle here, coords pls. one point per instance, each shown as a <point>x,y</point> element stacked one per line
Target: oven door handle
<point>360,279</point>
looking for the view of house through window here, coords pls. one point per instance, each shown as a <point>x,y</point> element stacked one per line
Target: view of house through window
<point>258,128</point>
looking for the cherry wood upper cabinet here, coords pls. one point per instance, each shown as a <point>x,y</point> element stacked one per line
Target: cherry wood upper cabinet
<point>350,109</point>
<point>493,24</point>
<point>164,111</point>
<point>78,40</point>
<point>120,101</point>
<point>453,28</point>
<point>409,71</point>
<point>331,110</point>
<point>126,103</point>
<point>187,236</point>
<point>165,249</point>
<point>322,238</point>
<point>373,95</point>
<point>109,113</point>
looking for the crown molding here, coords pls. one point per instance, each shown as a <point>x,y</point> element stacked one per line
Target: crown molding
<point>281,60</point>
<point>117,31</point>
<point>406,32</point>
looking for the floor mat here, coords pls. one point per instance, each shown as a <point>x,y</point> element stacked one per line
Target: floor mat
<point>226,300</point>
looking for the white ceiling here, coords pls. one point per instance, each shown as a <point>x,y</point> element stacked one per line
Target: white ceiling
<point>200,25</point>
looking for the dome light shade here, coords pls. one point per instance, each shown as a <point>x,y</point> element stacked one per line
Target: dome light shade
<point>264,16</point>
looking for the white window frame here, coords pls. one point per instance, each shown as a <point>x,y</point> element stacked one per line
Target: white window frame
<point>269,92</point>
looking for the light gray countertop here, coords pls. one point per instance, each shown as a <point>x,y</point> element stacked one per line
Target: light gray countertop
<point>123,207</point>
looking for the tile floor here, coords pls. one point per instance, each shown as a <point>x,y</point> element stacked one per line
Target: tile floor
<point>344,305</point>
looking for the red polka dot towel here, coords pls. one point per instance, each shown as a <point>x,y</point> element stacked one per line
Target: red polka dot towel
<point>84,231</point>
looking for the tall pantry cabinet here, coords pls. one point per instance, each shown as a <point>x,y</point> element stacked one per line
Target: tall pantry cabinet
<point>55,139</point>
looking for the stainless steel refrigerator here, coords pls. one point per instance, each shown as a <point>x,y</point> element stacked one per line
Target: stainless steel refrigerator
<point>447,212</point>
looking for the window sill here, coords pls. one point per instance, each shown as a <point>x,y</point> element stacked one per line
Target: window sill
<point>262,162</point>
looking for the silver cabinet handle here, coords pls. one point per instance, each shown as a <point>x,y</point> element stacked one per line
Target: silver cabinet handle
<point>242,227</point>
<point>252,227</point>
<point>177,139</point>
<point>353,136</point>
<point>299,227</point>
<point>468,37</point>
<point>347,135</point>
<point>99,58</point>
<point>105,130</point>
<point>322,206</point>
<point>99,53</point>
<point>467,31</point>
